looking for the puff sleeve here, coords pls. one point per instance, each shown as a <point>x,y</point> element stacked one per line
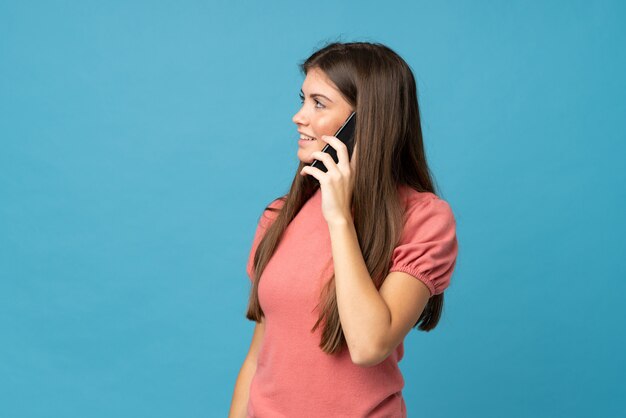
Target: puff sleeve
<point>428,247</point>
<point>265,221</point>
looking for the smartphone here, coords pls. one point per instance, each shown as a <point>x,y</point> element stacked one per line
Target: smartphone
<point>346,135</point>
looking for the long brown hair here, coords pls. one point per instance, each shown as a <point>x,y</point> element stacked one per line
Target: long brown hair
<point>381,88</point>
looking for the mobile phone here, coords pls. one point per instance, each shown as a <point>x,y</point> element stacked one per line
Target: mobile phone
<point>346,135</point>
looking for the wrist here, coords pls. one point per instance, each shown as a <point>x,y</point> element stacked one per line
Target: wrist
<point>340,222</point>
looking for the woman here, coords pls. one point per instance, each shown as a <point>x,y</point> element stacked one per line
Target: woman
<point>346,263</point>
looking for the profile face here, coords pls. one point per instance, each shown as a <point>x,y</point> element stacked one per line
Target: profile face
<point>323,112</point>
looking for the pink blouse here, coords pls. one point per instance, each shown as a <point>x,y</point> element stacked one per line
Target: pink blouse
<point>294,377</point>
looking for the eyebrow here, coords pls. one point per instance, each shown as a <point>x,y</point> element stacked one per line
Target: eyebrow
<point>317,95</point>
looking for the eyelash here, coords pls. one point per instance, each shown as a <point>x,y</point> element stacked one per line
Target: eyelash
<point>316,101</point>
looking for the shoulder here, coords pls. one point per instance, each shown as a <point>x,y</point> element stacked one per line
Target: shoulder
<point>419,204</point>
<point>271,211</point>
<point>426,215</point>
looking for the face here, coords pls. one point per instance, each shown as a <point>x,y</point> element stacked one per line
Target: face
<point>323,112</point>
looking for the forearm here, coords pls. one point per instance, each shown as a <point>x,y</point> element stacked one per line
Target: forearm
<point>364,315</point>
<point>241,394</point>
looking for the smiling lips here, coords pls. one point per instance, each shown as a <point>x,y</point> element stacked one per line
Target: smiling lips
<point>305,137</point>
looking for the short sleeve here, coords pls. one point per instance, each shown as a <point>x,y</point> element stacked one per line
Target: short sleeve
<point>265,221</point>
<point>428,247</point>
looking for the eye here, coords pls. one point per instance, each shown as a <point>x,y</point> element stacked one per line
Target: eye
<point>317,102</point>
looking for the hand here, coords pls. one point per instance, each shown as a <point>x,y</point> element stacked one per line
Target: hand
<point>337,183</point>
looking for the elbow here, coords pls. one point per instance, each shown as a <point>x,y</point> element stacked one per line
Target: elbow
<point>368,357</point>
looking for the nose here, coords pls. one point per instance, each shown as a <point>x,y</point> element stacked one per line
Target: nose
<point>299,118</point>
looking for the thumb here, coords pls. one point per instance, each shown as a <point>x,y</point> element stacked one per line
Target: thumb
<point>353,158</point>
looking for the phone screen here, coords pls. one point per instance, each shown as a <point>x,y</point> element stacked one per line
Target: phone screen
<point>346,135</point>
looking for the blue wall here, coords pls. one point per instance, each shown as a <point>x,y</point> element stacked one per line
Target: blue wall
<point>131,135</point>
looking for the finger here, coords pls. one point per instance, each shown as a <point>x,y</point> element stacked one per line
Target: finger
<point>327,160</point>
<point>353,159</point>
<point>315,172</point>
<point>340,147</point>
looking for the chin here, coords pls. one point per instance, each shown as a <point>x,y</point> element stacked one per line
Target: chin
<point>305,157</point>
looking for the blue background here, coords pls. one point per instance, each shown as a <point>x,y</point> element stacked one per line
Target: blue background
<point>131,141</point>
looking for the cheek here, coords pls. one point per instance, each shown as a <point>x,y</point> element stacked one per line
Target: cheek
<point>323,126</point>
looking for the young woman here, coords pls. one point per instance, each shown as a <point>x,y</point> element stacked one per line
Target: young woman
<point>346,263</point>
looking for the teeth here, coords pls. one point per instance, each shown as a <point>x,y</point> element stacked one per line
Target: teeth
<point>307,138</point>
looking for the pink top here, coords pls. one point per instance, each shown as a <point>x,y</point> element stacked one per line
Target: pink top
<point>294,377</point>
